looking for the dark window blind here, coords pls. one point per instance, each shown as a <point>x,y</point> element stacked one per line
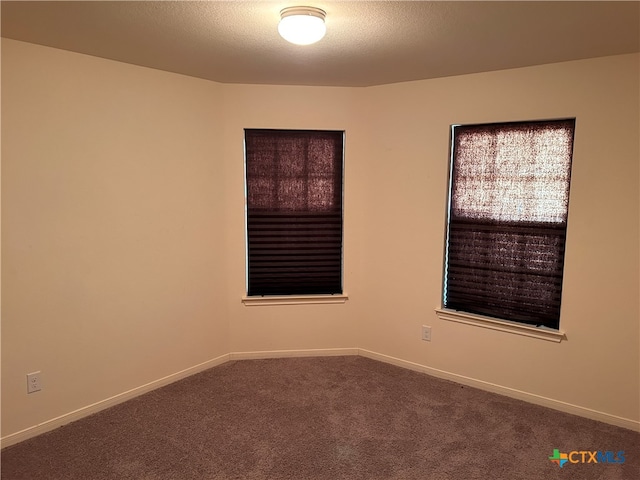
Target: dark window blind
<point>509,197</point>
<point>294,211</point>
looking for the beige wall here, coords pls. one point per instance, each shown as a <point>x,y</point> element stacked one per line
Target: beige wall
<point>123,230</point>
<point>306,326</point>
<point>112,241</point>
<point>598,367</point>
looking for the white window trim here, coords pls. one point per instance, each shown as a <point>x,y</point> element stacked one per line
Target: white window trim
<point>541,333</point>
<point>295,299</point>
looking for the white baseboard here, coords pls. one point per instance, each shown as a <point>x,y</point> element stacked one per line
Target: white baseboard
<point>109,402</point>
<point>508,392</point>
<point>56,422</point>
<point>321,352</point>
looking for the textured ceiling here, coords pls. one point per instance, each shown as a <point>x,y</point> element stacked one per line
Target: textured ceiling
<point>367,43</point>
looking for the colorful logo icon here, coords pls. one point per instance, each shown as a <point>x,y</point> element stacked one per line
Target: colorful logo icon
<point>559,458</point>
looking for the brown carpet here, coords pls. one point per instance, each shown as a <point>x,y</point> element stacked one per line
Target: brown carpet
<point>320,418</point>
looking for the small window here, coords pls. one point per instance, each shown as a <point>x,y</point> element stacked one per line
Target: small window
<point>294,211</point>
<point>507,220</point>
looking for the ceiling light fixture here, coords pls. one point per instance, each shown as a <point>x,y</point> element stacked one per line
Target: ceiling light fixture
<point>302,25</point>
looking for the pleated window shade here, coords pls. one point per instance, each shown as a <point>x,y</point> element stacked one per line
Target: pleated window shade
<point>294,211</point>
<point>509,195</point>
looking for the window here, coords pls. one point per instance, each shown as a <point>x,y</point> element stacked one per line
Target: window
<point>507,220</point>
<point>294,212</point>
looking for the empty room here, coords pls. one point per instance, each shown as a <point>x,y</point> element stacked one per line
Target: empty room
<point>402,245</point>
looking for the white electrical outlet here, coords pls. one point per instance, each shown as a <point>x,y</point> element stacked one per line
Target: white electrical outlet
<point>34,382</point>
<point>426,333</point>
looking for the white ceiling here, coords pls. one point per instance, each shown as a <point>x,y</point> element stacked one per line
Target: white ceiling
<point>367,43</point>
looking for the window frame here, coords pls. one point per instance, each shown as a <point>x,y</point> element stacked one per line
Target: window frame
<point>295,298</point>
<point>481,320</point>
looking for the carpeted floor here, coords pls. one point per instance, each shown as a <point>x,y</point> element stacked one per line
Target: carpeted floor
<point>320,419</point>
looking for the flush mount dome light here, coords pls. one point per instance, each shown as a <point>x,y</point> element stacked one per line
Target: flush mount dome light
<point>302,25</point>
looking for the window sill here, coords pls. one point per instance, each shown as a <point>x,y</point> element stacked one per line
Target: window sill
<point>542,333</point>
<point>295,299</point>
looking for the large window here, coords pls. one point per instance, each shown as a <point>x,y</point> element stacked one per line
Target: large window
<point>294,212</point>
<point>507,221</point>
